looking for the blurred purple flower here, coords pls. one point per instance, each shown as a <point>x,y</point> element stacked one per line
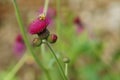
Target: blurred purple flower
<point>51,12</point>
<point>79,24</point>
<point>19,46</point>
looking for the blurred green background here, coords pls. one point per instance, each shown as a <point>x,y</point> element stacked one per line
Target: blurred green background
<point>94,52</point>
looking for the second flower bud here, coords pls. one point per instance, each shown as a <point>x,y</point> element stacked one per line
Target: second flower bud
<point>36,42</point>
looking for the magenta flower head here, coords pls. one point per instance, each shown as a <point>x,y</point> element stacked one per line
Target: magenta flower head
<point>19,46</point>
<point>38,26</point>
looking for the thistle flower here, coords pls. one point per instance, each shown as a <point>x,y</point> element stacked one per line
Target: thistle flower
<point>19,46</point>
<point>38,26</point>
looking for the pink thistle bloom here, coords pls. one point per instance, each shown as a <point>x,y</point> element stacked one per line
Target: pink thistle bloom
<point>19,46</point>
<point>51,12</point>
<point>38,26</point>
<point>79,24</point>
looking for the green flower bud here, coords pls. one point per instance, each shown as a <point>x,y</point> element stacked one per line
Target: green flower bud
<point>37,42</point>
<point>66,60</point>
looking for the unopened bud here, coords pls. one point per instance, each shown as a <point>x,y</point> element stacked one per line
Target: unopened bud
<point>37,42</point>
<point>52,38</point>
<point>66,60</point>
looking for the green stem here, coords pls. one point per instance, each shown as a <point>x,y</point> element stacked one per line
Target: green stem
<point>12,73</point>
<point>43,55</point>
<point>43,46</point>
<point>48,75</point>
<point>43,50</point>
<point>66,69</point>
<point>46,7</point>
<point>21,26</point>
<point>58,8</point>
<point>58,62</point>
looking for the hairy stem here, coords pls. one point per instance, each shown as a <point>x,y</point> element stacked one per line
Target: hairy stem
<point>58,62</point>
